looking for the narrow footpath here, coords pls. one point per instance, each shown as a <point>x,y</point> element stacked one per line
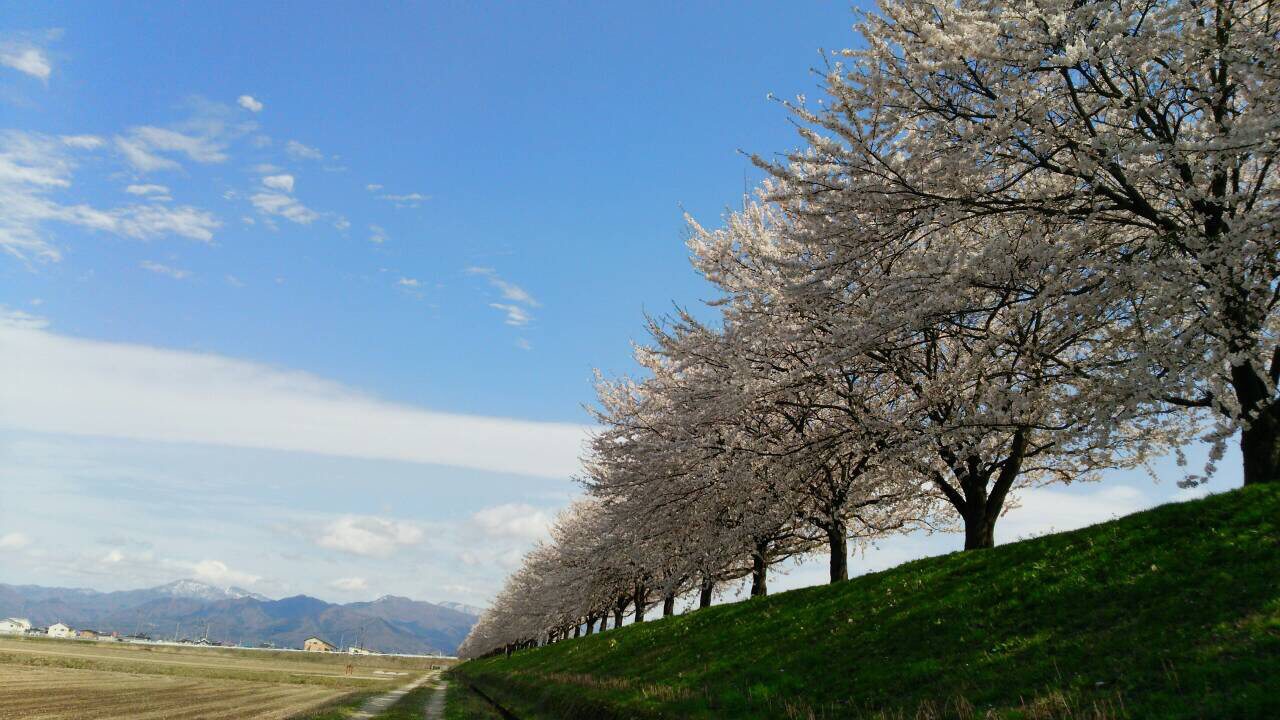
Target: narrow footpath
<point>435,706</point>
<point>376,705</point>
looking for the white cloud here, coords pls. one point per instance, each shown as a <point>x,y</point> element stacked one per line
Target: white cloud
<point>14,541</point>
<point>265,168</point>
<point>147,190</point>
<point>523,344</point>
<point>352,584</point>
<point>284,206</point>
<point>369,536</point>
<point>21,319</point>
<point>409,282</point>
<point>248,103</point>
<point>409,200</point>
<point>26,58</point>
<point>142,146</point>
<point>33,166</point>
<point>217,573</point>
<point>279,182</point>
<point>87,387</point>
<point>516,315</point>
<point>377,235</point>
<point>298,150</point>
<point>372,187</point>
<point>113,557</point>
<point>83,142</point>
<point>512,521</point>
<point>510,291</point>
<point>172,272</point>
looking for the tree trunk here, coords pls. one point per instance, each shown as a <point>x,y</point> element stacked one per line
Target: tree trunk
<point>604,621</point>
<point>591,623</point>
<point>838,543</point>
<point>577,630</point>
<point>979,530</point>
<point>641,601</point>
<point>669,605</point>
<point>1260,447</point>
<point>760,570</point>
<point>704,598</point>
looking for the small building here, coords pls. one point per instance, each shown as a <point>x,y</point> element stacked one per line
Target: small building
<point>87,634</point>
<point>315,644</point>
<point>14,626</point>
<point>353,650</point>
<point>60,630</point>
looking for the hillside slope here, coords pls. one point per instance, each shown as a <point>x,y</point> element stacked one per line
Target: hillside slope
<point>1169,613</point>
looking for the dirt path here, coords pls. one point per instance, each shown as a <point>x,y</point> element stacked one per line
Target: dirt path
<point>435,706</point>
<point>375,705</point>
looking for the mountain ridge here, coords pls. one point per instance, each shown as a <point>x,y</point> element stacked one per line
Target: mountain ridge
<point>191,609</point>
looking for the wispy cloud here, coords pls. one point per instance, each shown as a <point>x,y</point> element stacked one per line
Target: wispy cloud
<point>516,315</point>
<point>82,142</point>
<point>285,206</point>
<point>143,146</point>
<point>24,52</point>
<point>373,187</point>
<point>279,182</point>
<point>369,536</point>
<point>249,103</point>
<point>298,150</point>
<point>377,235</point>
<point>172,272</point>
<point>509,290</point>
<point>33,167</point>
<point>408,200</point>
<point>351,584</point>
<point>147,190</point>
<point>409,282</point>
<point>86,387</point>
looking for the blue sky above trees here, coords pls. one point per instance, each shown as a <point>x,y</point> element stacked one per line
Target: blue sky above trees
<point>272,271</point>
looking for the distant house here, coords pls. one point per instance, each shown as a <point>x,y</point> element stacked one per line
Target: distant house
<point>353,650</point>
<point>60,630</point>
<point>87,634</point>
<point>315,644</point>
<point>14,626</point>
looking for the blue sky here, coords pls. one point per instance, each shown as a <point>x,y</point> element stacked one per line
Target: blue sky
<point>307,297</point>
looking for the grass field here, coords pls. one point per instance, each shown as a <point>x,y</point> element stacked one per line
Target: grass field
<point>1169,613</point>
<point>41,678</point>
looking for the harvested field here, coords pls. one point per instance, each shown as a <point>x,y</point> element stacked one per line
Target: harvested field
<point>48,693</point>
<point>58,680</point>
<point>330,670</point>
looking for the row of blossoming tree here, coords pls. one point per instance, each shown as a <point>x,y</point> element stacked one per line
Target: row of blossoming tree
<point>1023,243</point>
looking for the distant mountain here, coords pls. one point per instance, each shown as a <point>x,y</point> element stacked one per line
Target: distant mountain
<point>190,609</point>
<point>197,590</point>
<point>464,608</point>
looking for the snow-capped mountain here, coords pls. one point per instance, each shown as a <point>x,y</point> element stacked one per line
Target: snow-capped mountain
<point>463,608</point>
<point>196,590</point>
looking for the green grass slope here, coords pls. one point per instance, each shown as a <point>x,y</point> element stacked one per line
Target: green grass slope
<point>1169,613</point>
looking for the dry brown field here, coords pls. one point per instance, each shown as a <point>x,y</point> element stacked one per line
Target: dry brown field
<point>61,680</point>
<point>45,693</point>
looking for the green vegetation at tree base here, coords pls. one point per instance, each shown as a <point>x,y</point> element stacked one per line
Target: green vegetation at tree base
<point>461,703</point>
<point>1169,613</point>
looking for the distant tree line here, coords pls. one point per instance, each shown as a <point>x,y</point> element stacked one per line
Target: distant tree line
<point>1021,244</point>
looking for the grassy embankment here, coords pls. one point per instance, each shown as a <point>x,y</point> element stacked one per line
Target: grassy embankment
<point>461,703</point>
<point>1169,613</point>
